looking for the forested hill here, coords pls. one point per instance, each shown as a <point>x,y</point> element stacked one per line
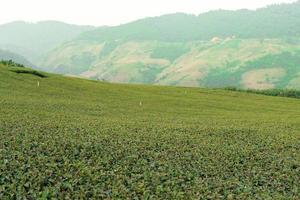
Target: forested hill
<point>273,21</point>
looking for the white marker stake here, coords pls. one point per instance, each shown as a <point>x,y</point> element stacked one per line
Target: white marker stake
<point>38,84</point>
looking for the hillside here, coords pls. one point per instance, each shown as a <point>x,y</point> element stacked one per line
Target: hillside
<point>7,55</point>
<point>246,63</point>
<point>33,40</point>
<point>221,48</point>
<point>70,138</point>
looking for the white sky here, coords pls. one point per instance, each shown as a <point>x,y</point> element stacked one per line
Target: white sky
<point>113,12</point>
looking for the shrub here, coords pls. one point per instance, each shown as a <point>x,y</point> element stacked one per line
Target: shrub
<point>11,63</point>
<point>270,92</point>
<point>28,71</point>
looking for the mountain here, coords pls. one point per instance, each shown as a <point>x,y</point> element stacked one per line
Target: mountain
<point>7,55</point>
<point>182,27</point>
<point>33,40</point>
<point>246,63</point>
<point>69,138</point>
<point>249,49</point>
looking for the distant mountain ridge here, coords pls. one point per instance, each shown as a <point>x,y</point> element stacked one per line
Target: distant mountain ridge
<point>33,40</point>
<point>249,49</point>
<point>270,22</point>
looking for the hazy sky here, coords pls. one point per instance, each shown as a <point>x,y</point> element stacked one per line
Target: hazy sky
<point>113,12</point>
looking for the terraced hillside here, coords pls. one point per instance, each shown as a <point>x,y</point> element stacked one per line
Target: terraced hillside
<point>71,138</point>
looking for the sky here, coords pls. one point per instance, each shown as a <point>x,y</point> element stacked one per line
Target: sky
<point>113,12</point>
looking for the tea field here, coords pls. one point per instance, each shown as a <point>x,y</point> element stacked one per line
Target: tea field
<point>68,138</point>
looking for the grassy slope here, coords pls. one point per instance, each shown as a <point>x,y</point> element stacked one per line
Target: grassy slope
<point>72,138</point>
<point>269,63</point>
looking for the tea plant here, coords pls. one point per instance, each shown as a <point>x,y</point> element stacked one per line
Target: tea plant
<point>78,139</point>
<point>270,92</point>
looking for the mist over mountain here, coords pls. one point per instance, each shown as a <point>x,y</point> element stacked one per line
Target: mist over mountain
<point>33,40</point>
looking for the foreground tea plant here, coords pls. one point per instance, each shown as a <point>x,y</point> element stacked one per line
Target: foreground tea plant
<point>71,138</point>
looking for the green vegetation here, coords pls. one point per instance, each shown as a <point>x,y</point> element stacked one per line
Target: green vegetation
<point>10,63</point>
<point>29,71</point>
<point>270,92</point>
<point>290,61</point>
<point>20,69</point>
<point>181,27</point>
<point>145,74</point>
<point>169,51</point>
<point>108,48</point>
<point>81,62</point>
<point>230,75</point>
<point>71,138</point>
